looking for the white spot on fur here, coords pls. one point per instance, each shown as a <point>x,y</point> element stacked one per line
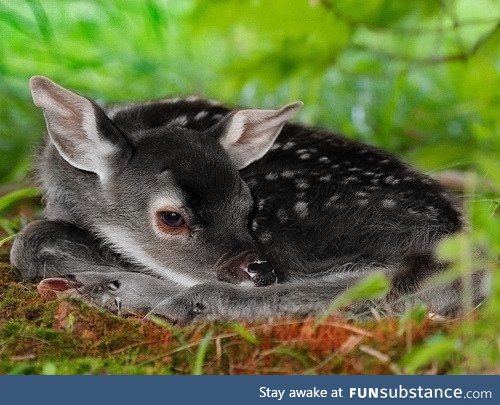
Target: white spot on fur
<point>181,120</point>
<point>350,179</point>
<point>200,115</point>
<point>301,209</point>
<point>288,145</point>
<point>388,203</point>
<point>363,202</point>
<point>254,225</point>
<point>324,159</point>
<point>361,194</point>
<point>332,200</point>
<point>326,177</point>
<point>305,156</point>
<point>275,146</point>
<point>192,98</point>
<point>301,184</point>
<point>265,237</point>
<point>271,176</point>
<point>288,174</point>
<point>170,100</point>
<point>282,215</point>
<point>391,180</point>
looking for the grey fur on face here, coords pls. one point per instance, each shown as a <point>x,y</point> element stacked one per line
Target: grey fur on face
<point>164,206</point>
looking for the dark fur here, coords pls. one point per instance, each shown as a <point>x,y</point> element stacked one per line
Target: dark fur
<point>326,211</point>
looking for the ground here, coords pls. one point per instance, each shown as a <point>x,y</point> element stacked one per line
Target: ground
<point>64,336</point>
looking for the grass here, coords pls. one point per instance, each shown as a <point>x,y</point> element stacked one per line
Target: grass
<point>68,337</point>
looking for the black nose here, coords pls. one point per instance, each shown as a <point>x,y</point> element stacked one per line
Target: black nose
<point>235,270</point>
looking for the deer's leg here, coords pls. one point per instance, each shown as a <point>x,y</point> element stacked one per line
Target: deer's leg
<point>54,249</point>
<point>122,291</point>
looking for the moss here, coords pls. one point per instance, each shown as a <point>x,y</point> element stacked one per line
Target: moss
<point>69,337</point>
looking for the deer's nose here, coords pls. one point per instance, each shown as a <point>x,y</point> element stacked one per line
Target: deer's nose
<point>236,269</point>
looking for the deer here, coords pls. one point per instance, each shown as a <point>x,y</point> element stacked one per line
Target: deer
<point>194,211</point>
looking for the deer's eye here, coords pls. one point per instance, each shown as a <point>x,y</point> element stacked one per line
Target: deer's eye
<point>172,219</point>
<point>172,223</point>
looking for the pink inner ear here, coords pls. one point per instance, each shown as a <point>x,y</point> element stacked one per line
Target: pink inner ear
<point>51,286</point>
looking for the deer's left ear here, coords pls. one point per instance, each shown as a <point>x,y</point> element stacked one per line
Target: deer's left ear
<point>248,134</point>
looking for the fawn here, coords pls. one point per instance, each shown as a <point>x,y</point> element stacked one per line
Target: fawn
<point>194,211</point>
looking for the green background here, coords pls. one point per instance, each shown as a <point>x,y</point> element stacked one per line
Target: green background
<point>417,77</point>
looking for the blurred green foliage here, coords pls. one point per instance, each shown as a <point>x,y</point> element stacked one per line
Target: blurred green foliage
<point>419,78</point>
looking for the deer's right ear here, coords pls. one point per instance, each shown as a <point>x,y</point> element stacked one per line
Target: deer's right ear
<point>80,130</point>
<point>248,134</point>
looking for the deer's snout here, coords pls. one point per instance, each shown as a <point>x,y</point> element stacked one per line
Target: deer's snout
<point>236,269</point>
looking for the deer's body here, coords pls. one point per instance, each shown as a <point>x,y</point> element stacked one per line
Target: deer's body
<point>320,209</point>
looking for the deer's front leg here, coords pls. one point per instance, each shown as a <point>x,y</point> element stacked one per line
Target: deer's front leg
<point>54,249</point>
<point>120,291</point>
<point>222,301</point>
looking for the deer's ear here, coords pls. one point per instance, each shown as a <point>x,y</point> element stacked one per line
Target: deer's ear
<point>248,134</point>
<point>79,129</point>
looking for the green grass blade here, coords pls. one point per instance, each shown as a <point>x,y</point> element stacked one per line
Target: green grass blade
<point>244,333</point>
<point>7,239</point>
<point>374,286</point>
<point>201,353</point>
<point>11,198</point>
<point>5,225</point>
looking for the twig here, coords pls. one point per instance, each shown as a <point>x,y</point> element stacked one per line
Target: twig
<point>382,357</point>
<point>187,346</point>
<point>124,349</point>
<point>432,60</point>
<point>351,21</point>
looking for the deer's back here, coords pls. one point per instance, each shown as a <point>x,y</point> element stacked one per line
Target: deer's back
<point>319,196</point>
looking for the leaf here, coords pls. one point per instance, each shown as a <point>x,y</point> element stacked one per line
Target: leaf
<point>49,369</point>
<point>416,315</point>
<point>439,348</point>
